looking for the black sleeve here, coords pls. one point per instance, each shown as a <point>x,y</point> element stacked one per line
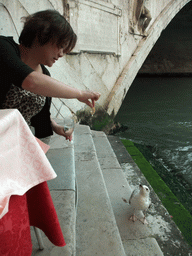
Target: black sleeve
<point>13,69</point>
<point>42,121</point>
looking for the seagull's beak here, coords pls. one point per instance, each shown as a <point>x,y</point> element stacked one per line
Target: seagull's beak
<point>140,186</point>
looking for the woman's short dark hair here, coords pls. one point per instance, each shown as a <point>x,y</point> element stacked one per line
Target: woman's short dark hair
<point>48,26</point>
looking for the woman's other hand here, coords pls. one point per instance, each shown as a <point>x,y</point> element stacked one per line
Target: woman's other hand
<point>59,129</point>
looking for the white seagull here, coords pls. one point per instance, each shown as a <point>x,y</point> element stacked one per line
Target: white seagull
<point>139,201</point>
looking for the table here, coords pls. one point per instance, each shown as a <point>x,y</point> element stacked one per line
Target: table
<point>25,198</point>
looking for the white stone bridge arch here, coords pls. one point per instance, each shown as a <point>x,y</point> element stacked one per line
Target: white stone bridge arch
<point>145,45</point>
<point>110,49</point>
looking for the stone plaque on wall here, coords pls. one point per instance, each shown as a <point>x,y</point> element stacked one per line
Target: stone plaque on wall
<point>97,27</point>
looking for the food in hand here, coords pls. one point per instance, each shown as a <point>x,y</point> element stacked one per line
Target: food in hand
<point>93,111</point>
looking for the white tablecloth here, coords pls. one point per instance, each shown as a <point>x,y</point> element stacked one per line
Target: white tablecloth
<point>23,163</point>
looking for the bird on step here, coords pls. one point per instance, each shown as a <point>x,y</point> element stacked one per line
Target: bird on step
<point>139,201</point>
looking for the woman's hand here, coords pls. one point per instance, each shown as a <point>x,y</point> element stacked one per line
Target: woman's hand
<point>59,129</point>
<point>89,98</point>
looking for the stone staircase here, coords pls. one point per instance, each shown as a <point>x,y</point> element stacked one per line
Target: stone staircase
<point>103,227</point>
<point>87,195</point>
<point>97,232</point>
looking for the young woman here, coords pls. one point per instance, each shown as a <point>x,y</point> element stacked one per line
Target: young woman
<point>25,83</point>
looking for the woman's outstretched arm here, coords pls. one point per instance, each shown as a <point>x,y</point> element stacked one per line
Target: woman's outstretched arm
<point>47,86</point>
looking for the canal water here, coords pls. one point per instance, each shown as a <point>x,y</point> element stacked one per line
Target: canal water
<point>157,112</point>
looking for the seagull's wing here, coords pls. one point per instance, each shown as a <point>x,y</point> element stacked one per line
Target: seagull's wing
<point>132,195</point>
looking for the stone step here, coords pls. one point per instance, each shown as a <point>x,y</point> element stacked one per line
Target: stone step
<point>136,237</point>
<point>96,228</point>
